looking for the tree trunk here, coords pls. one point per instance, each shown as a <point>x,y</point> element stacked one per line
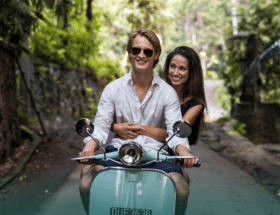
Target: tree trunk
<point>9,127</point>
<point>89,9</point>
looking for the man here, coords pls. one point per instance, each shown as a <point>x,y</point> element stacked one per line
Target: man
<point>144,101</point>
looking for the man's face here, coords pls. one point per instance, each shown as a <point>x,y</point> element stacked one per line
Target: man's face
<point>142,55</point>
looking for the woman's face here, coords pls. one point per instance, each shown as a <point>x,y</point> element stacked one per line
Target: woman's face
<point>178,70</point>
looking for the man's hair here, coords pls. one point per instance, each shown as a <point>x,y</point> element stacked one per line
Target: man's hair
<point>151,36</point>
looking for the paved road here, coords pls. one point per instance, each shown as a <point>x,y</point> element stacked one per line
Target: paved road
<point>214,111</point>
<point>218,187</point>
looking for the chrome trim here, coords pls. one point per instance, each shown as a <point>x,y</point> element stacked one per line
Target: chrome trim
<point>139,165</point>
<point>97,142</point>
<point>127,144</point>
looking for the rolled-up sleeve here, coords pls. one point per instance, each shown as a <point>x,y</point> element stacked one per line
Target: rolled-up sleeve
<point>104,116</point>
<point>172,115</point>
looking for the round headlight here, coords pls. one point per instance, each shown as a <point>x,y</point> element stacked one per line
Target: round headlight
<point>130,154</point>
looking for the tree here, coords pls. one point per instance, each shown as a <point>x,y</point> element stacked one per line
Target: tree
<point>262,19</point>
<point>17,18</point>
<point>199,24</point>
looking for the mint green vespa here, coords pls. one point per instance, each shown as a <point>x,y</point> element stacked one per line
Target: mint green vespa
<point>132,190</point>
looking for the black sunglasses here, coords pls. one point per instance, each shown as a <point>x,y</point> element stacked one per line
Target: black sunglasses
<point>147,52</point>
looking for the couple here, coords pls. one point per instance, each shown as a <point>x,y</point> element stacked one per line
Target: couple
<point>140,106</point>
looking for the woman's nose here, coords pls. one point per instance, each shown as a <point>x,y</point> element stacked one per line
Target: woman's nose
<point>176,71</point>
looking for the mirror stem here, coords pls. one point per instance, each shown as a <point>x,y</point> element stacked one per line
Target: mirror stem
<point>89,133</point>
<point>176,132</point>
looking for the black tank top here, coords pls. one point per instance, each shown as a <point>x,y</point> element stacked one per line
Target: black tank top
<point>188,105</point>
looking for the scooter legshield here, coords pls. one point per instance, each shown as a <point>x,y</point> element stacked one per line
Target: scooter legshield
<point>122,191</point>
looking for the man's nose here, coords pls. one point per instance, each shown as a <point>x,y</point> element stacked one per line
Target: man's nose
<point>141,54</point>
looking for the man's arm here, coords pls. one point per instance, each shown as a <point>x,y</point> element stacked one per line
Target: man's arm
<point>102,122</point>
<point>88,151</point>
<point>173,114</point>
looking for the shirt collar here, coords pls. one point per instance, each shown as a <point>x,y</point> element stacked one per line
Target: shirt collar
<point>155,81</point>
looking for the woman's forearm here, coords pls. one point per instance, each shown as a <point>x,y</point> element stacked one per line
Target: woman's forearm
<point>156,133</point>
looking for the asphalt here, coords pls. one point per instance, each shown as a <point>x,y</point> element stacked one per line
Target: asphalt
<point>218,187</point>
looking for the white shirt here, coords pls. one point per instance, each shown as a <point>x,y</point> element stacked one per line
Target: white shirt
<point>120,103</point>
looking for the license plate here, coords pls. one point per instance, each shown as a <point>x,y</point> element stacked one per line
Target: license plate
<point>129,211</point>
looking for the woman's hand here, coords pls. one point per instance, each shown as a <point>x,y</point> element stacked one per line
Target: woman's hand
<point>127,130</point>
<point>182,150</point>
<point>88,151</point>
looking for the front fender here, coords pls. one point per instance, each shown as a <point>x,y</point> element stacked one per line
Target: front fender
<point>116,189</point>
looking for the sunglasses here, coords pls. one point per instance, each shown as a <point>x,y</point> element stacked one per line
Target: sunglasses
<point>147,52</point>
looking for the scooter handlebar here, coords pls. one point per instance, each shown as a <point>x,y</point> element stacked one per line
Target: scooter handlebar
<point>180,159</point>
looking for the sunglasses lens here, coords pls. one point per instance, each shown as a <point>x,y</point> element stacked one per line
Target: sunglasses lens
<point>148,52</point>
<point>135,51</point>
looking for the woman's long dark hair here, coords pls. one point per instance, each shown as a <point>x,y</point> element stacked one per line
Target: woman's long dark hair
<point>193,88</point>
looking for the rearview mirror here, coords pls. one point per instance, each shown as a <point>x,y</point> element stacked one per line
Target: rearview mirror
<point>84,126</point>
<point>183,129</point>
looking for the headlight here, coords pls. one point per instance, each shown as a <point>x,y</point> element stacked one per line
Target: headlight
<point>130,154</point>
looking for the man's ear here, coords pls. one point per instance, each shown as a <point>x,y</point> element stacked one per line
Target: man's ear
<point>157,55</point>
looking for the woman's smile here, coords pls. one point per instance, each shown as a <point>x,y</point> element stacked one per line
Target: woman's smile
<point>179,70</point>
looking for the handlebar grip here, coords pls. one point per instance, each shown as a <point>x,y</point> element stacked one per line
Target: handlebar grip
<point>181,162</point>
<point>198,164</point>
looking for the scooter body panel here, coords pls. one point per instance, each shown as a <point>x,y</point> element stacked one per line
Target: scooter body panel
<point>129,191</point>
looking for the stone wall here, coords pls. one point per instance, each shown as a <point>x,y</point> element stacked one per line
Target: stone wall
<point>9,127</point>
<point>62,92</point>
<point>263,123</point>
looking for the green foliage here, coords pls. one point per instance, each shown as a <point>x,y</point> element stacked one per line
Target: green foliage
<point>107,70</point>
<point>21,111</point>
<point>233,125</point>
<point>33,120</point>
<point>73,46</point>
<point>223,120</point>
<point>223,98</point>
<point>212,75</point>
<point>90,104</point>
<point>17,19</point>
<point>199,24</point>
<point>239,127</point>
<point>262,19</point>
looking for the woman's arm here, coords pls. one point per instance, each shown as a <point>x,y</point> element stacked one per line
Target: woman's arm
<point>191,114</point>
<point>129,130</point>
<point>156,133</point>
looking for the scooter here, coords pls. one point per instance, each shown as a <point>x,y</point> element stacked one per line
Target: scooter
<point>132,190</point>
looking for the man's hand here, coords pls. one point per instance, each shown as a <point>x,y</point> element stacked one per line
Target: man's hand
<point>88,151</point>
<point>182,150</point>
<point>127,130</point>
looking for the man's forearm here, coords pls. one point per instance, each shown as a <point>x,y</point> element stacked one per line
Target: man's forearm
<point>92,144</point>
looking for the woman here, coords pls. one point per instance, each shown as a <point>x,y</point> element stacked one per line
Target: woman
<point>183,72</point>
